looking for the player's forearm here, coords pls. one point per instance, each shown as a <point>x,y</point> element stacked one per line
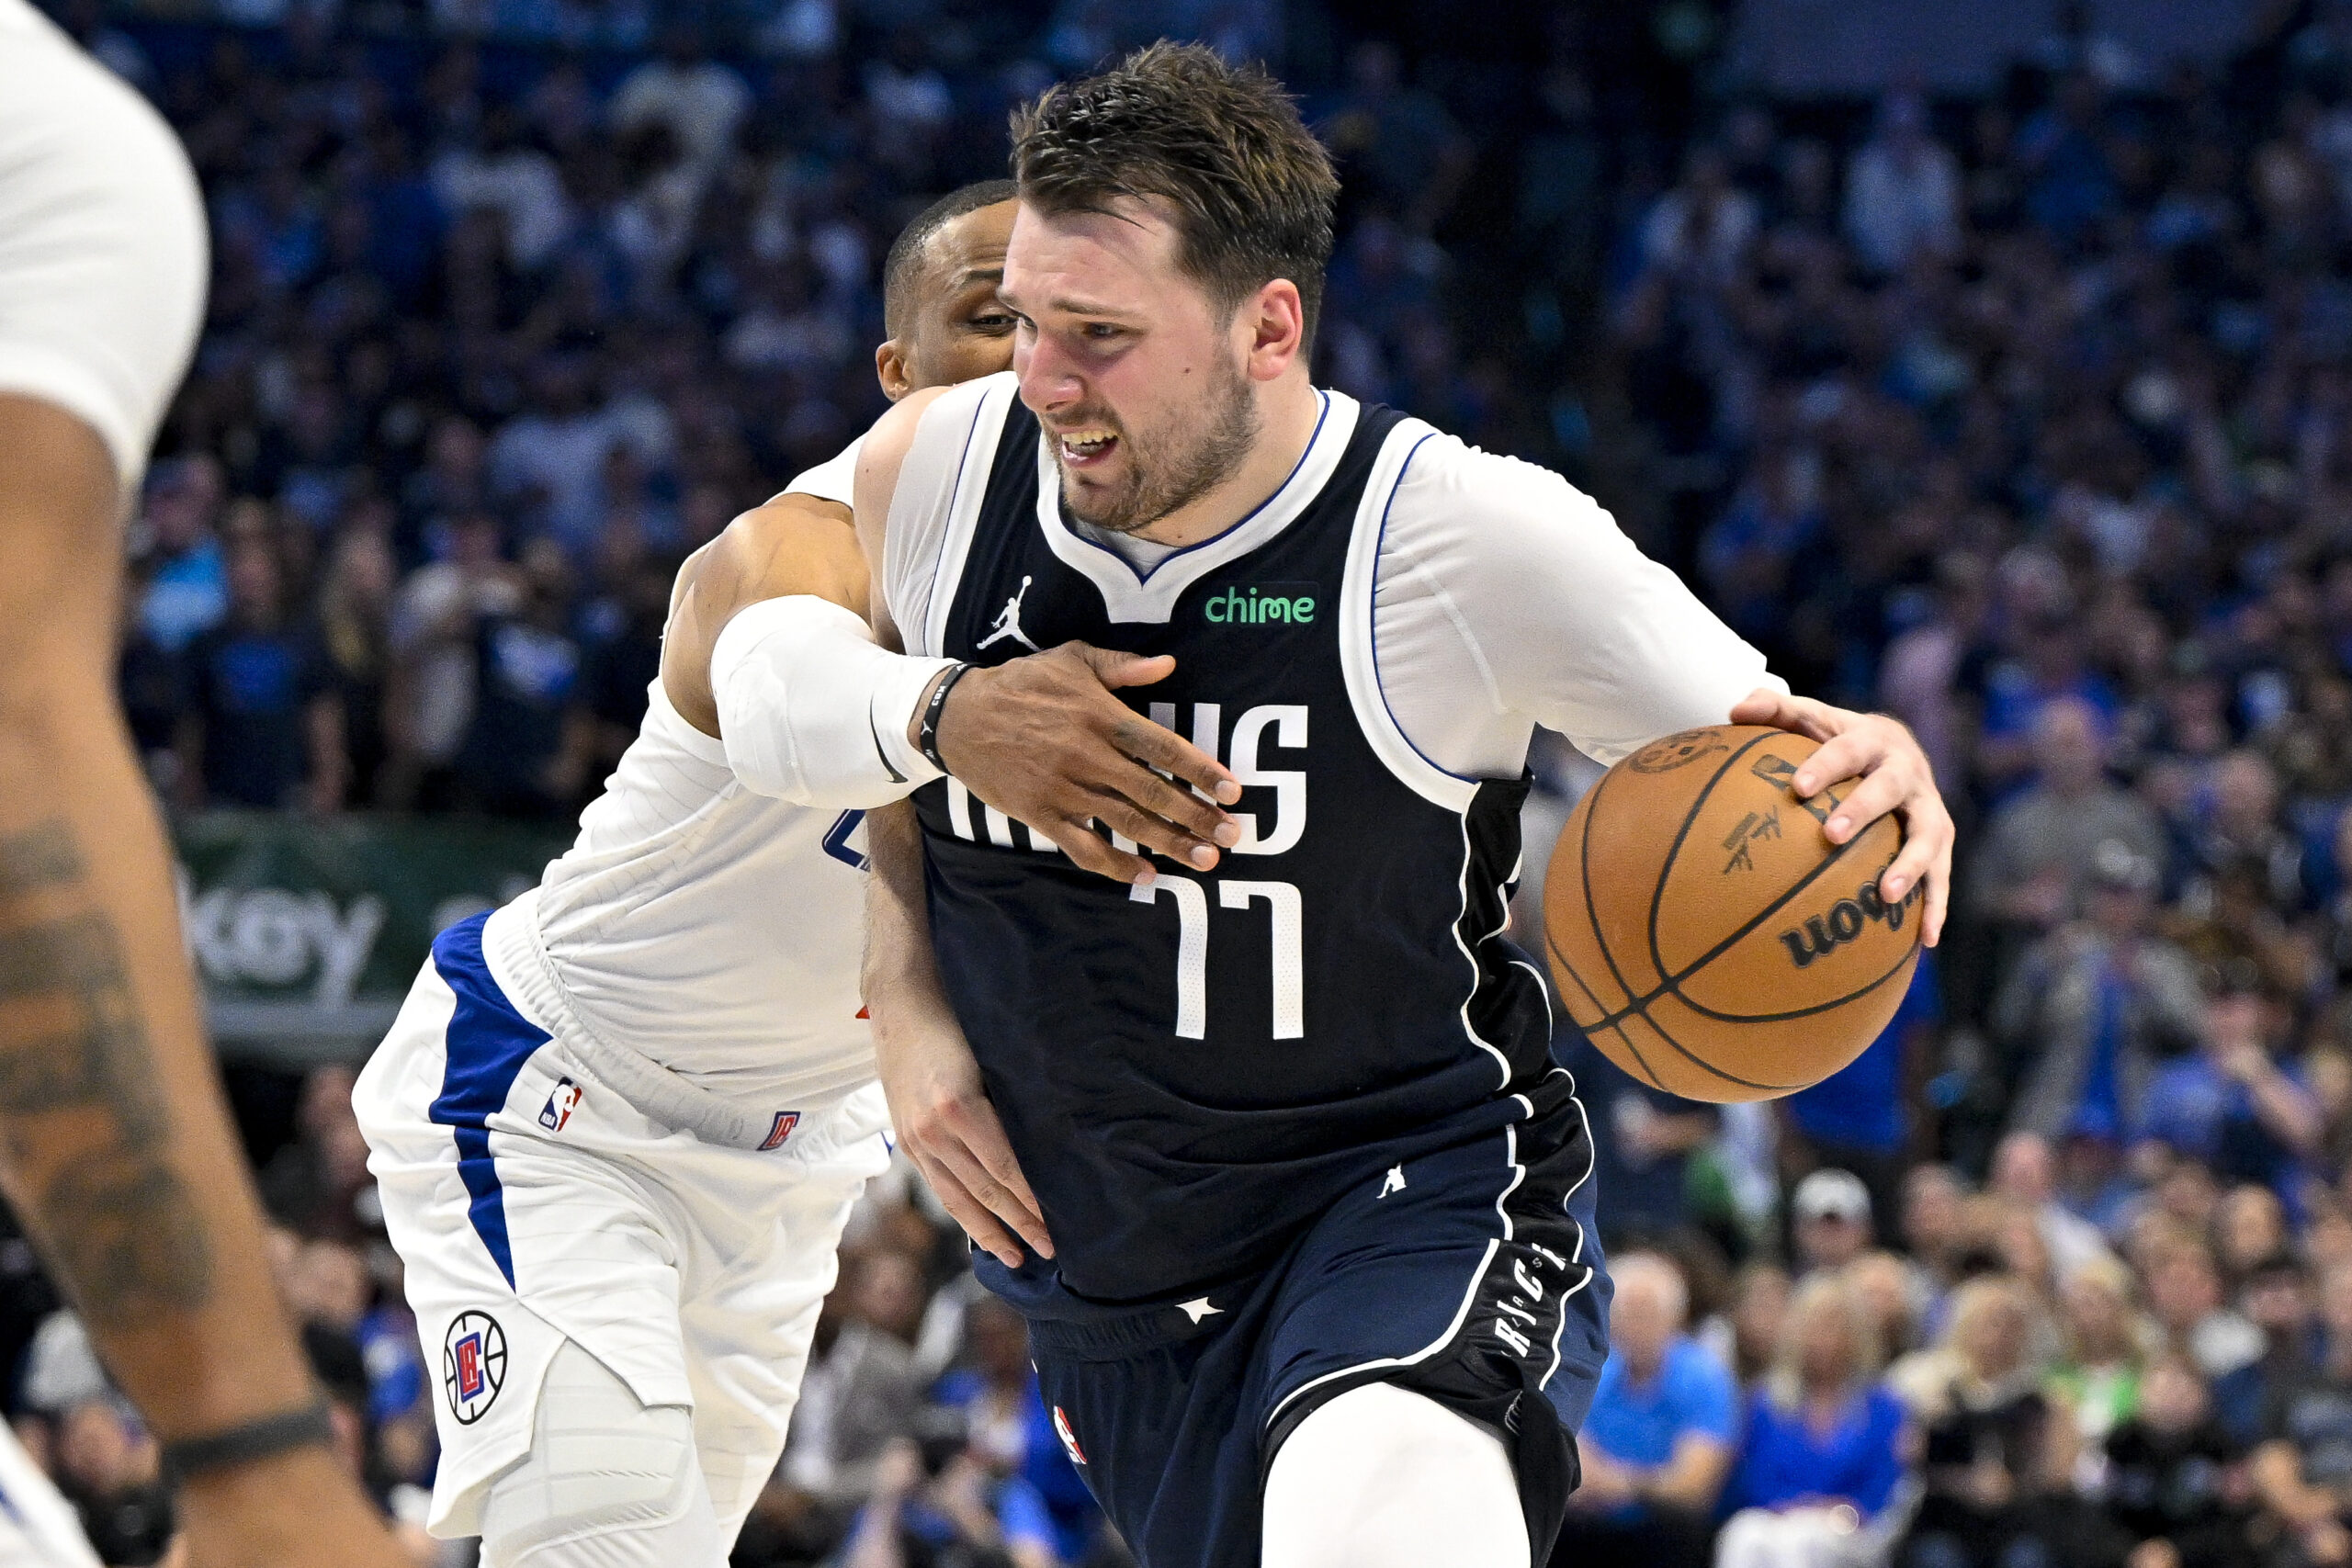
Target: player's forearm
<point>115,1145</point>
<point>116,1149</point>
<point>901,977</point>
<point>813,711</point>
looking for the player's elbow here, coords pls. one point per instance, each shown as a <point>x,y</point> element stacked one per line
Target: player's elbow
<point>797,683</point>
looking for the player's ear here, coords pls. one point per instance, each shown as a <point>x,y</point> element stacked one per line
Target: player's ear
<point>891,369</point>
<point>1276,320</point>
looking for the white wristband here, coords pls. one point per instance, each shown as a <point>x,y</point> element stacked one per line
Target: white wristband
<point>813,711</point>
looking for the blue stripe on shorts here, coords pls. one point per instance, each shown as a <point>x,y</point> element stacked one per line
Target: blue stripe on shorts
<point>488,1044</point>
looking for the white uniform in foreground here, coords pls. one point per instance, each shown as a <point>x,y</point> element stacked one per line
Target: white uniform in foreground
<point>38,1528</point>
<point>102,267</point>
<point>617,1127</point>
<point>102,245</point>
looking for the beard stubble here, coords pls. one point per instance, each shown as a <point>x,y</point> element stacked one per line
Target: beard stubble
<point>1159,481</point>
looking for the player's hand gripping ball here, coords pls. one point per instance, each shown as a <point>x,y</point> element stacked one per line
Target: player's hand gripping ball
<point>1705,933</point>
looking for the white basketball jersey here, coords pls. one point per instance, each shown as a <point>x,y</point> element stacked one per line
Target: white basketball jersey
<point>715,931</point>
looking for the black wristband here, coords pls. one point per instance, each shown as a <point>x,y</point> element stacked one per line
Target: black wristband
<point>312,1426</point>
<point>927,732</point>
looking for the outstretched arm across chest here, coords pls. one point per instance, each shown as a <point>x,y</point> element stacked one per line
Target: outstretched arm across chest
<point>768,649</point>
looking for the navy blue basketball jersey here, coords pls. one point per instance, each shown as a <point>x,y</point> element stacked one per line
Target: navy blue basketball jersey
<point>1191,1071</point>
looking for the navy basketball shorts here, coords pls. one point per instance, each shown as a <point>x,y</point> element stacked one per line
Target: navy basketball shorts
<point>1466,1270</point>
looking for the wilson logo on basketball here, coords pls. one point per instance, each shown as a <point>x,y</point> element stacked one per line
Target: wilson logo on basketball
<point>1823,934</point>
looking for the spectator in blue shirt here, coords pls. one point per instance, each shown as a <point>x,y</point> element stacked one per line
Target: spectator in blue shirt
<point>1660,1435</point>
<point>1822,1452</point>
<point>1012,1429</point>
<point>2229,1105</point>
<point>263,727</point>
<point>935,1505</point>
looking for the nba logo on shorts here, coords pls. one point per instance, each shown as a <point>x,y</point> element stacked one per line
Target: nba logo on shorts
<point>560,1106</point>
<point>1068,1438</point>
<point>785,1121</point>
<point>473,1365</point>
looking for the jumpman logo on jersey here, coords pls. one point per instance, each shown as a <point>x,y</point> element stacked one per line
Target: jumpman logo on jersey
<point>1394,1181</point>
<point>1008,621</point>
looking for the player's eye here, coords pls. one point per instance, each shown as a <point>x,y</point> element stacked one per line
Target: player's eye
<point>1101,332</point>
<point>995,322</point>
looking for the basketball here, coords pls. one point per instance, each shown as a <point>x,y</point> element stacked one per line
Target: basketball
<point>1704,932</point>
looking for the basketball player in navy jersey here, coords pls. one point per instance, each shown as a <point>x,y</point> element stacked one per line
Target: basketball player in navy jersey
<point>1309,1263</point>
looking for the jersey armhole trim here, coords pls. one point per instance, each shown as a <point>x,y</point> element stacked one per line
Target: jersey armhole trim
<point>926,633</point>
<point>1359,638</point>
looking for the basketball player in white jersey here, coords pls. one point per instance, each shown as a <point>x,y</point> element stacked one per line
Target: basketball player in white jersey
<point>618,1124</point>
<point>115,1145</point>
<point>1165,266</point>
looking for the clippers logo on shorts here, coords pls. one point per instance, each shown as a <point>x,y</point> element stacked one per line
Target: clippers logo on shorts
<point>1068,1438</point>
<point>560,1106</point>
<point>785,1121</point>
<point>473,1365</point>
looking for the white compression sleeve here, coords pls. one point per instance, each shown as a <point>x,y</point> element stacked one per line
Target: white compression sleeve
<point>608,1483</point>
<point>812,710</point>
<point>1382,1477</point>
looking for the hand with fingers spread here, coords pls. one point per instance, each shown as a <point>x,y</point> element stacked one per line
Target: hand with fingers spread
<point>1893,775</point>
<point>1043,740</point>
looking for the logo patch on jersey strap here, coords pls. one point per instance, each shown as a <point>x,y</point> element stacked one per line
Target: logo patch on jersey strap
<point>473,1365</point>
<point>1068,1438</point>
<point>785,1121</point>
<point>1285,603</point>
<point>560,1105</point>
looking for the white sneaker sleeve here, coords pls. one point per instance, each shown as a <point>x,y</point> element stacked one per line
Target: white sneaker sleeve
<point>1508,597</point>
<point>103,255</point>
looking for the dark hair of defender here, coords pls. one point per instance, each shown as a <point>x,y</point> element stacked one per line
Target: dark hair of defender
<point>1223,144</point>
<point>906,250</point>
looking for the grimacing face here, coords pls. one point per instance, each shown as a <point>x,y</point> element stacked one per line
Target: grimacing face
<point>1136,374</point>
<point>961,331</point>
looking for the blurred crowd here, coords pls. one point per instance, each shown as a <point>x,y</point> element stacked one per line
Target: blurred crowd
<point>2024,416</point>
<point>502,328</point>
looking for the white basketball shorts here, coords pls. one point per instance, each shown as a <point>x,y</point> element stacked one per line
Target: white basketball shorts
<point>531,1204</point>
<point>102,240</point>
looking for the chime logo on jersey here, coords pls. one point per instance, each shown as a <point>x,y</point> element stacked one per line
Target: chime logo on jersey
<point>1291,603</point>
<point>785,1121</point>
<point>560,1106</point>
<point>1068,1438</point>
<point>473,1365</point>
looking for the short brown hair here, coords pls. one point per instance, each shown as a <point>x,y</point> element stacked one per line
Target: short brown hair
<point>1252,188</point>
